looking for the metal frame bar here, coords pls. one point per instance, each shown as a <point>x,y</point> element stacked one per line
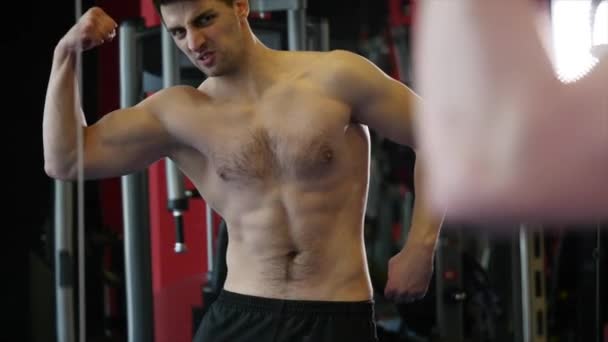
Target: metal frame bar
<point>64,261</point>
<point>64,229</point>
<point>135,202</point>
<point>533,289</point>
<point>277,5</point>
<point>296,29</point>
<point>449,291</point>
<point>296,18</point>
<point>324,33</point>
<point>176,192</point>
<point>525,290</point>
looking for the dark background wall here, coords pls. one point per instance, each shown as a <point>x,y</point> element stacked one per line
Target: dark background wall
<point>29,32</point>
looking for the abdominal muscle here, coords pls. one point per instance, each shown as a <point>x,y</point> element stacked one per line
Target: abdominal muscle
<point>299,246</point>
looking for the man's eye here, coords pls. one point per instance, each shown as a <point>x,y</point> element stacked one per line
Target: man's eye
<point>178,33</point>
<point>206,20</point>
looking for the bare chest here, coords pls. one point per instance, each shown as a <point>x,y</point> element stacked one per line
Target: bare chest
<point>288,135</point>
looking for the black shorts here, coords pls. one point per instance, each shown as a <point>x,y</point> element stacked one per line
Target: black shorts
<point>238,318</point>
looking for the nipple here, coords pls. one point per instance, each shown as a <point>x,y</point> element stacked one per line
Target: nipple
<point>328,155</point>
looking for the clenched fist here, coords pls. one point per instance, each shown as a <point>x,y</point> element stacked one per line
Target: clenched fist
<point>409,273</point>
<point>94,28</point>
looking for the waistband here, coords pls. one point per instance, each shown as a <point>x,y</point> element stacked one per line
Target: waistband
<point>248,302</point>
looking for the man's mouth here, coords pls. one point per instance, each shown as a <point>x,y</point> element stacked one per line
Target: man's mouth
<point>208,58</point>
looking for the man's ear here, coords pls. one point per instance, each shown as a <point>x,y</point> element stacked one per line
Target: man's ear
<point>241,8</point>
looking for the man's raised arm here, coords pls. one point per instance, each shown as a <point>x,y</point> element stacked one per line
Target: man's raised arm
<point>122,141</point>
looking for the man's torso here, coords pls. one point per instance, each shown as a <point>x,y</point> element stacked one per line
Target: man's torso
<point>288,172</point>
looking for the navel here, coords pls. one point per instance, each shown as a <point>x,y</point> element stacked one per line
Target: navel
<point>292,255</point>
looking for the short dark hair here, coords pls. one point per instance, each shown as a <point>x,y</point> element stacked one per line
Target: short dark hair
<point>158,3</point>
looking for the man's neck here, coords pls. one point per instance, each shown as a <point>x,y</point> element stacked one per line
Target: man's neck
<point>256,73</point>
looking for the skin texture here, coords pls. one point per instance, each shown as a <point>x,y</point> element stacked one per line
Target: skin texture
<point>276,142</point>
<point>504,138</point>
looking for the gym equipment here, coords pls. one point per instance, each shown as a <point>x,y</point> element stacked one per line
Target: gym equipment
<point>576,286</point>
<point>138,269</point>
<point>400,20</point>
<point>533,294</point>
<point>451,294</point>
<point>64,254</point>
<point>216,275</point>
<point>296,18</point>
<point>176,193</point>
<point>64,278</point>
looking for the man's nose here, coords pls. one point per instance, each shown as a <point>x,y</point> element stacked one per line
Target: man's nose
<point>196,41</point>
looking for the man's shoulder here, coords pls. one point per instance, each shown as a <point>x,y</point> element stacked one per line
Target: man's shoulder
<point>345,63</point>
<point>183,90</point>
<point>337,69</point>
<point>347,58</point>
<point>345,67</point>
<point>333,58</point>
<point>171,99</point>
<point>341,54</point>
<point>181,94</point>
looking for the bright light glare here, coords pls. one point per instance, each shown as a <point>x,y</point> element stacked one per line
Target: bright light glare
<point>572,37</point>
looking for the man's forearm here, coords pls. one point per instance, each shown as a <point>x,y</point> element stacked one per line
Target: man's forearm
<point>62,115</point>
<point>426,225</point>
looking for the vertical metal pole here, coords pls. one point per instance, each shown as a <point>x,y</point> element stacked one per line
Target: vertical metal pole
<point>533,285</point>
<point>516,288</point>
<point>176,193</point>
<point>598,284</point>
<point>449,284</point>
<point>170,60</point>
<point>324,35</point>
<point>82,323</point>
<point>402,47</point>
<point>64,260</point>
<point>525,281</point>
<point>135,204</point>
<point>296,29</point>
<point>64,240</point>
<point>209,223</point>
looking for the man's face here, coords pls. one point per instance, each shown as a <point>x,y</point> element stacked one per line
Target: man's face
<point>209,32</point>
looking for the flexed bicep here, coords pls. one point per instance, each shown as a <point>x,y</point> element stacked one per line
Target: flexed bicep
<point>128,140</point>
<point>124,141</point>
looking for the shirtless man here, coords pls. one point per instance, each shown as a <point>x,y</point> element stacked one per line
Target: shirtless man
<point>503,136</point>
<point>277,143</point>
